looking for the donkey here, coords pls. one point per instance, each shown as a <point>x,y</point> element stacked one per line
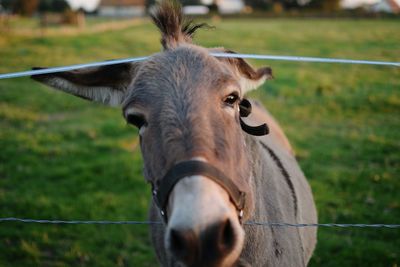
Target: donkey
<point>209,169</point>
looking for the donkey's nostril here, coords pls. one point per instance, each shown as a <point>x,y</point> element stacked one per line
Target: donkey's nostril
<point>183,245</point>
<point>206,245</point>
<point>227,235</point>
<point>177,240</point>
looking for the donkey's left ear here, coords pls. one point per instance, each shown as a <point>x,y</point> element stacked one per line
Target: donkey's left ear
<point>107,84</point>
<point>249,77</point>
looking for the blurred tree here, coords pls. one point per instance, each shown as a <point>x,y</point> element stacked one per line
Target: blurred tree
<point>7,4</point>
<point>57,6</point>
<point>325,5</point>
<point>45,5</point>
<point>259,4</point>
<point>25,7</point>
<point>60,5</point>
<point>290,3</point>
<point>277,8</point>
<point>190,2</point>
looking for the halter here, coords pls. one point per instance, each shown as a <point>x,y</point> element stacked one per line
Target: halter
<point>190,168</point>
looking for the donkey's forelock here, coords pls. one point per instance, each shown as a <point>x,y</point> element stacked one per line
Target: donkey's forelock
<point>175,29</point>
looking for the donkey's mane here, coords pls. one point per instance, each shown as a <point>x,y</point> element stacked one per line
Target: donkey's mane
<point>174,27</point>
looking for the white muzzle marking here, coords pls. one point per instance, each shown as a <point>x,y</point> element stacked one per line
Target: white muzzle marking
<point>198,202</point>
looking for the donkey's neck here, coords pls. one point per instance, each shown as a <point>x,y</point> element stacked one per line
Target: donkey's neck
<point>274,201</point>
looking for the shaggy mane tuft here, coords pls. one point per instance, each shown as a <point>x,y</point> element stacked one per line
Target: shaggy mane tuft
<point>175,29</point>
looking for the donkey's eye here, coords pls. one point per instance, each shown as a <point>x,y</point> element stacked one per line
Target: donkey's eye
<point>231,99</point>
<point>136,120</point>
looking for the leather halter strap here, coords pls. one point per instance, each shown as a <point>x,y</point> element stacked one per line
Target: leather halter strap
<point>189,169</point>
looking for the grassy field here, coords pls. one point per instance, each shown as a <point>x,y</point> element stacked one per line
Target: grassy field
<point>65,158</point>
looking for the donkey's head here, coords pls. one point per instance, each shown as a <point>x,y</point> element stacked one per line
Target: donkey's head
<point>185,103</point>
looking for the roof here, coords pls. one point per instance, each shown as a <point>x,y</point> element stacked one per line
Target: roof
<point>122,3</point>
<point>394,5</point>
<point>388,6</point>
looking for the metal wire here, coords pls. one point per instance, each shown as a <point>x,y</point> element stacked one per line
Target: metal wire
<point>341,225</point>
<point>23,220</point>
<point>250,223</point>
<point>309,59</point>
<point>223,55</point>
<point>70,67</point>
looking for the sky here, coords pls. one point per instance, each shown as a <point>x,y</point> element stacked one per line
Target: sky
<point>86,4</point>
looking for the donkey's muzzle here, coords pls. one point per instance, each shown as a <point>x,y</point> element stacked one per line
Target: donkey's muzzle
<point>191,168</point>
<point>208,247</point>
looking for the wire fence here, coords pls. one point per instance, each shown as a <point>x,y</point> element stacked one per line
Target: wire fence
<point>250,223</point>
<point>222,55</point>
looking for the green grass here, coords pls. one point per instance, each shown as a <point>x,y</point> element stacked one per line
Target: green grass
<point>65,158</point>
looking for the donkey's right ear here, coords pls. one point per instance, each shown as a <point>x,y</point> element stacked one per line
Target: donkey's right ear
<point>107,84</point>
